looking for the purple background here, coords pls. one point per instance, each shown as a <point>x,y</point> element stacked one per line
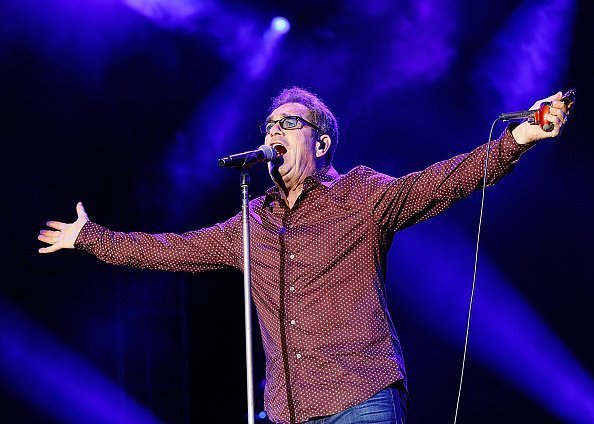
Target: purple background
<point>126,105</point>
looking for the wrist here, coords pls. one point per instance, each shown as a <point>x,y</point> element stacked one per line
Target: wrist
<point>520,135</point>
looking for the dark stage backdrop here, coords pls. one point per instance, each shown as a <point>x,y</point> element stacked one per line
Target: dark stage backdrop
<point>126,105</point>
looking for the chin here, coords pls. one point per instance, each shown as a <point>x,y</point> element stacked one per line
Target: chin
<point>276,166</point>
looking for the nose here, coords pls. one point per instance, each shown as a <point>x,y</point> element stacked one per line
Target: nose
<point>276,129</point>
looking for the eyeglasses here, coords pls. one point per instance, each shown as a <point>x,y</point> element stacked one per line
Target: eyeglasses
<point>286,123</point>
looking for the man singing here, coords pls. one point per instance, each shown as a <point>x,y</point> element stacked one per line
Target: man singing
<point>320,240</point>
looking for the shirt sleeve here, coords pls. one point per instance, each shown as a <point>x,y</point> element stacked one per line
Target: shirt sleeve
<point>211,248</point>
<point>397,203</point>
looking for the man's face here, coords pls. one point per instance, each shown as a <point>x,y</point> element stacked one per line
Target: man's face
<point>299,161</point>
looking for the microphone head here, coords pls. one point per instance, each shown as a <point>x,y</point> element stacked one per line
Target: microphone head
<point>269,152</point>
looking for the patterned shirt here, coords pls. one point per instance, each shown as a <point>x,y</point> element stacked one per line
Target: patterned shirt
<point>318,272</point>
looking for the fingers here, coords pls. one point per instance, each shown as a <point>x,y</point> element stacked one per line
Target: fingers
<point>48,236</point>
<point>555,97</point>
<point>47,239</point>
<point>555,100</point>
<point>49,249</point>
<point>49,233</point>
<point>57,225</point>
<point>560,113</point>
<point>51,238</point>
<point>62,235</point>
<point>558,104</point>
<point>553,119</point>
<point>557,117</point>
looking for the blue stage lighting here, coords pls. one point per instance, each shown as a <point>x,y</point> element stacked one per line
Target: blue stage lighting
<point>280,25</point>
<point>37,367</point>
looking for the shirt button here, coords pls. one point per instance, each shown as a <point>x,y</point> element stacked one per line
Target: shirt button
<point>292,322</point>
<point>298,356</point>
<point>292,256</point>
<point>292,288</point>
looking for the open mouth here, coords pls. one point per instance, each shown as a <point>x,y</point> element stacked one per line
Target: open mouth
<point>280,149</point>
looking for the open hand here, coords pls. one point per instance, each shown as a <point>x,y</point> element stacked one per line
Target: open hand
<point>63,235</point>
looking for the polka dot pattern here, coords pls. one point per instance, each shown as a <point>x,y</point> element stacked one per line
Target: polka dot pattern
<point>318,273</point>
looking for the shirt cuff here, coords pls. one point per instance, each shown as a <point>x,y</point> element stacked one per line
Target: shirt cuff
<point>88,235</point>
<point>510,147</point>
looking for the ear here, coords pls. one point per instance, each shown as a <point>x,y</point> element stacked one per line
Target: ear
<point>323,145</point>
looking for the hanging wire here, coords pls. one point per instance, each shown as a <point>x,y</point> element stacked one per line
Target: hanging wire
<point>478,239</point>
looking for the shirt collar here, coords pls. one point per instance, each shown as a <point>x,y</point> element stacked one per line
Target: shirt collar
<point>325,176</point>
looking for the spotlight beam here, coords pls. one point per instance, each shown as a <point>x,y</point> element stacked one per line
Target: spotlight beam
<point>506,334</point>
<point>38,368</point>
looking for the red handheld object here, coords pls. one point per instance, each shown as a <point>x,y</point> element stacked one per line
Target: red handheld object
<point>539,116</point>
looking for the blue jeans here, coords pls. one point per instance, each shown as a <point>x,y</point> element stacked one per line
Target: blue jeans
<point>386,407</point>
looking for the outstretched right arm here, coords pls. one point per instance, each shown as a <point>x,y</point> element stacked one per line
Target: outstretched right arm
<point>210,248</point>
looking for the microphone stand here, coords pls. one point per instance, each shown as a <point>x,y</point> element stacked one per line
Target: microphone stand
<point>247,284</point>
<point>243,161</point>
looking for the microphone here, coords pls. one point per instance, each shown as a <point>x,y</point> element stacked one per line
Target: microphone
<point>521,114</point>
<point>536,117</point>
<point>263,153</point>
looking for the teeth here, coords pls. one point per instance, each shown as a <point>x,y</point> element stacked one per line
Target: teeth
<point>279,148</point>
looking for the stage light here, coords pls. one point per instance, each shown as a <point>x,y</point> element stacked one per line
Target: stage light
<point>38,368</point>
<point>280,25</point>
<point>166,12</point>
<point>517,68</point>
<point>507,334</point>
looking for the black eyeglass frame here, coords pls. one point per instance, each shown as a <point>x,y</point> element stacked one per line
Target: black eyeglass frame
<point>265,130</point>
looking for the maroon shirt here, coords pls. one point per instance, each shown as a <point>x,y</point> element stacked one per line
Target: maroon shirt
<point>318,273</point>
